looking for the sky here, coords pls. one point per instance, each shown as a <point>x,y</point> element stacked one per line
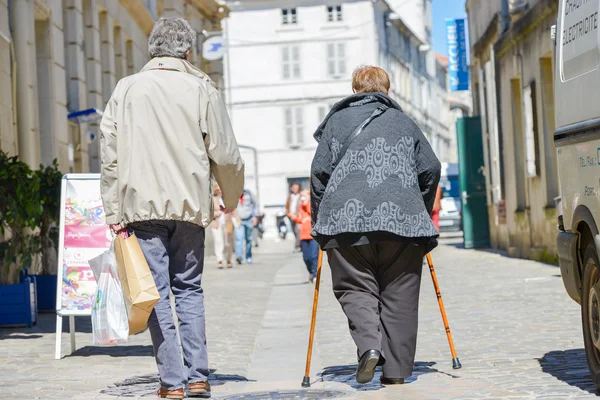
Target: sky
<point>442,9</point>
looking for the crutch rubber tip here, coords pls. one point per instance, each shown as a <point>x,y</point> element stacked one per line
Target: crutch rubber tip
<point>456,363</point>
<point>306,382</point>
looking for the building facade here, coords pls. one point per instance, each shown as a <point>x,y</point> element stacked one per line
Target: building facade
<point>62,56</point>
<point>285,73</point>
<point>512,85</point>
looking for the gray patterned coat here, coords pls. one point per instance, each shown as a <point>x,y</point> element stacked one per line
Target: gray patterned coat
<point>385,184</point>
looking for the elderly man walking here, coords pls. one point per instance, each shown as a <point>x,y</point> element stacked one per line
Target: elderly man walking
<point>374,180</point>
<point>165,132</point>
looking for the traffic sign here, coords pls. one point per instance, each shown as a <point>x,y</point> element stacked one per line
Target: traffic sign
<point>213,48</point>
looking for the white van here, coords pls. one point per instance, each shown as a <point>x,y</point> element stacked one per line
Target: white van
<point>577,139</point>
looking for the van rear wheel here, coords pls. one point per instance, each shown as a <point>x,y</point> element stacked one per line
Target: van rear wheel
<point>590,311</point>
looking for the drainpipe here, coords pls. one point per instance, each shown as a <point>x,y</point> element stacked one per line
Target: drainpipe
<point>505,16</point>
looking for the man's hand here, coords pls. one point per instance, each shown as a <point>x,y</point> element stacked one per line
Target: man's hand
<point>116,228</point>
<point>227,210</point>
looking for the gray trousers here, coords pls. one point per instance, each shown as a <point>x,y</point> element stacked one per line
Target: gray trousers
<point>175,254</point>
<point>378,288</point>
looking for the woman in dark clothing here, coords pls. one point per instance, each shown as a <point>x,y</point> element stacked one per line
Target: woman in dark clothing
<point>374,180</point>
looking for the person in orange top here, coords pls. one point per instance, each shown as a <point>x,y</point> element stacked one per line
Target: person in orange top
<point>310,248</point>
<point>437,207</point>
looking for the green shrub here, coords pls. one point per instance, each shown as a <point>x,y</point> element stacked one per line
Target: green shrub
<point>29,208</point>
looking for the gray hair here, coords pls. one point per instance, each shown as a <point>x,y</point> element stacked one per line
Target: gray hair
<point>171,37</point>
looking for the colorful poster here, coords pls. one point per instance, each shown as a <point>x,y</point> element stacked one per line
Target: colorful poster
<point>84,235</point>
<point>79,288</point>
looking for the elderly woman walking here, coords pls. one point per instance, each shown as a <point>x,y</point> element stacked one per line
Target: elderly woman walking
<point>374,180</point>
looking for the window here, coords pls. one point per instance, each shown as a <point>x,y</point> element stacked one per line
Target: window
<point>517,116</point>
<point>289,16</point>
<point>336,59</point>
<point>493,131</point>
<point>532,152</point>
<point>322,113</point>
<point>334,13</point>
<point>290,62</point>
<point>547,94</point>
<point>294,126</point>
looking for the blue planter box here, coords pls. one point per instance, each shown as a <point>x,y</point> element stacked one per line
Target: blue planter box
<point>46,292</point>
<point>18,305</point>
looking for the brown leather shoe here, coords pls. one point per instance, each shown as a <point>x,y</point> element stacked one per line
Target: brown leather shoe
<point>200,387</point>
<point>171,394</point>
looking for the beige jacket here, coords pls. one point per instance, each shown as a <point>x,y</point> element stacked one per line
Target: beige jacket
<point>164,133</point>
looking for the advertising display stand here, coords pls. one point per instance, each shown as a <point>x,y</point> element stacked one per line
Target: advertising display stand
<point>83,236</point>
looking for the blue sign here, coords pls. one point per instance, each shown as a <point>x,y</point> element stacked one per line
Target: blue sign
<point>458,66</point>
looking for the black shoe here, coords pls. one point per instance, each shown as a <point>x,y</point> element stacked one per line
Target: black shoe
<point>392,381</point>
<point>366,366</point>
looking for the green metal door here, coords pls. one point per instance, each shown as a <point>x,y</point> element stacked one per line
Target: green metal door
<point>476,229</point>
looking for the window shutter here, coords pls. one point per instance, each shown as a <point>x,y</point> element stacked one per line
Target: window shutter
<point>299,126</point>
<point>536,136</point>
<point>531,139</point>
<point>285,62</point>
<point>285,51</point>
<point>289,129</point>
<point>321,114</point>
<point>342,58</point>
<point>331,59</point>
<point>296,61</point>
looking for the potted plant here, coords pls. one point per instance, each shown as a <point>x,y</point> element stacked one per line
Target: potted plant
<point>49,180</point>
<point>20,212</point>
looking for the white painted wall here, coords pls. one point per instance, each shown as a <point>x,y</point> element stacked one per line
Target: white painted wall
<point>257,94</point>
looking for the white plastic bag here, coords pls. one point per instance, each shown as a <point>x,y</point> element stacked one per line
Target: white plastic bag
<point>110,325</point>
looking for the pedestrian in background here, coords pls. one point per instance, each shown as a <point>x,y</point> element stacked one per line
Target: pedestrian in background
<point>291,207</point>
<point>310,248</point>
<point>246,212</point>
<point>222,234</point>
<point>165,132</point>
<point>374,179</point>
<point>437,207</point>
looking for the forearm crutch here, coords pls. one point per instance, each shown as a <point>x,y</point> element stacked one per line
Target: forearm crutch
<point>313,321</point>
<point>455,362</point>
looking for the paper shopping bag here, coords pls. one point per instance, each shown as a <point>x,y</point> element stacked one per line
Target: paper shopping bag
<point>139,289</point>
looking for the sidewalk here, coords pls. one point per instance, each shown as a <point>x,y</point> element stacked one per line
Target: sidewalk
<point>517,334</point>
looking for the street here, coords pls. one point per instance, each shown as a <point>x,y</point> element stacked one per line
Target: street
<point>517,334</point>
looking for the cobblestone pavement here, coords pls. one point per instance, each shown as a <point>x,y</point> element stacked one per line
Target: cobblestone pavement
<point>517,333</point>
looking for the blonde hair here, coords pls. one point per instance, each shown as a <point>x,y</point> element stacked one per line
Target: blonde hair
<point>370,79</point>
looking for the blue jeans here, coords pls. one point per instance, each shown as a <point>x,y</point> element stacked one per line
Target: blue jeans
<point>310,254</point>
<point>175,254</point>
<point>243,234</point>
